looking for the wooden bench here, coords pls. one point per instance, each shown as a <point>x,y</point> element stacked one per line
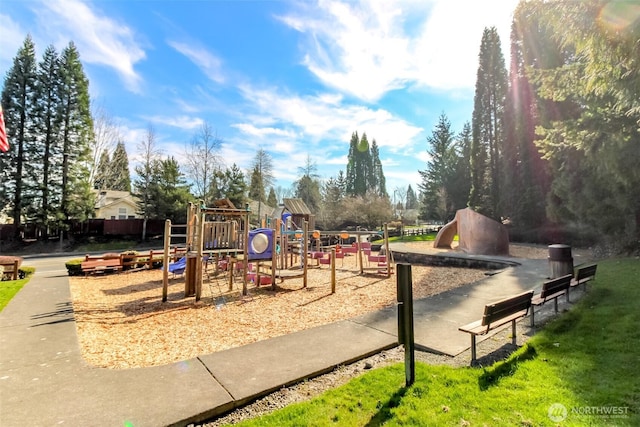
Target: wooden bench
<point>584,274</point>
<point>93,266</point>
<point>551,290</point>
<point>10,269</point>
<point>497,314</point>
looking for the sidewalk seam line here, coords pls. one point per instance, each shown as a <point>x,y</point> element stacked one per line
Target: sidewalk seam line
<point>215,379</point>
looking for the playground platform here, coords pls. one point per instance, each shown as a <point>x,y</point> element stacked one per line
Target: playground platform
<point>44,380</point>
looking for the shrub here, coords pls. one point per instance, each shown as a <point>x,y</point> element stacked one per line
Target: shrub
<point>74,266</point>
<point>127,258</point>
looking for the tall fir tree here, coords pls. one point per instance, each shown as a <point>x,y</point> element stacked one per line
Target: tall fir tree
<point>411,200</point>
<point>120,166</point>
<point>487,126</point>
<point>102,177</point>
<point>437,179</point>
<point>378,181</point>
<point>272,200</point>
<point>17,103</point>
<point>523,201</point>
<point>48,150</point>
<point>461,185</point>
<point>364,169</point>
<point>76,134</point>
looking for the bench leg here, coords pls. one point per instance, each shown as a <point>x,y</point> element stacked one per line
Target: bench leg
<point>555,303</point>
<point>532,316</point>
<point>473,349</point>
<point>513,332</point>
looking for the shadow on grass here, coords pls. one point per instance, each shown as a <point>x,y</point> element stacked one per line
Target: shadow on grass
<point>384,410</point>
<point>493,374</point>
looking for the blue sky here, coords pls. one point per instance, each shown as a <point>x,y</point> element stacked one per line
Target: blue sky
<point>294,78</point>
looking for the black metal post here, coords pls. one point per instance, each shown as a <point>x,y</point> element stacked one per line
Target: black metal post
<point>405,320</point>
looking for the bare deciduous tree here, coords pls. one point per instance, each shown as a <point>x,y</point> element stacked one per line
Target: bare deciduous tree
<point>203,161</point>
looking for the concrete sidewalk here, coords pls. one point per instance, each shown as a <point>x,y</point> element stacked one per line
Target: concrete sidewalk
<point>45,382</point>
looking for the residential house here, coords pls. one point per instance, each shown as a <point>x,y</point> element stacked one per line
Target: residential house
<point>111,204</point>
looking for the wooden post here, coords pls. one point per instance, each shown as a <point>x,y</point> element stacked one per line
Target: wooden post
<point>333,270</point>
<point>165,259</point>
<point>274,257</point>
<point>200,258</point>
<point>245,255</point>
<point>387,252</point>
<point>360,254</point>
<point>303,250</point>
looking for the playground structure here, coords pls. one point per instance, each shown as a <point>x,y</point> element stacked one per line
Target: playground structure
<point>477,234</point>
<point>209,234</point>
<point>221,237</point>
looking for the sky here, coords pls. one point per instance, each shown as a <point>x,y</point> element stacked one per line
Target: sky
<point>295,78</point>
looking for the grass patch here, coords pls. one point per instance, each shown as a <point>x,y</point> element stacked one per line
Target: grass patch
<point>420,238</point>
<point>585,360</point>
<point>107,246</point>
<point>8,289</point>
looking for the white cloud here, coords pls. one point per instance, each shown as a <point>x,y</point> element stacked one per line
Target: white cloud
<point>209,63</point>
<point>101,40</point>
<point>252,130</point>
<point>321,118</point>
<point>180,122</point>
<point>369,48</point>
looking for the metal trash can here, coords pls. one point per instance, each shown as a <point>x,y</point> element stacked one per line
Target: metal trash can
<point>560,261</point>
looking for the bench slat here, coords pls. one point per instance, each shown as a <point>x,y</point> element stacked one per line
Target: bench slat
<point>498,310</point>
<point>584,274</point>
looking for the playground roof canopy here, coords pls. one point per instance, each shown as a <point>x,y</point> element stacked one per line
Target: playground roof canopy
<point>296,207</point>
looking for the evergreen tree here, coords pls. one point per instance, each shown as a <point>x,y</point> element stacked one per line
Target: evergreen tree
<point>331,206</point>
<point>594,143</point>
<point>364,168</point>
<point>169,191</point>
<point>256,186</point>
<point>308,189</point>
<point>231,184</point>
<point>378,182</point>
<point>461,180</point>
<point>341,182</point>
<point>525,171</point>
<point>120,167</point>
<point>437,180</point>
<point>272,200</point>
<point>102,176</point>
<point>76,134</point>
<point>47,152</point>
<point>487,126</point>
<point>411,200</point>
<point>17,103</point>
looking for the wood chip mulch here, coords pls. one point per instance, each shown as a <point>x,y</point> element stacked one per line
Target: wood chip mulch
<point>123,323</point>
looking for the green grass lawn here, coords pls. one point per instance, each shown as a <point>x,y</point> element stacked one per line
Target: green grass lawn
<point>421,238</point>
<point>8,289</point>
<point>580,369</point>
